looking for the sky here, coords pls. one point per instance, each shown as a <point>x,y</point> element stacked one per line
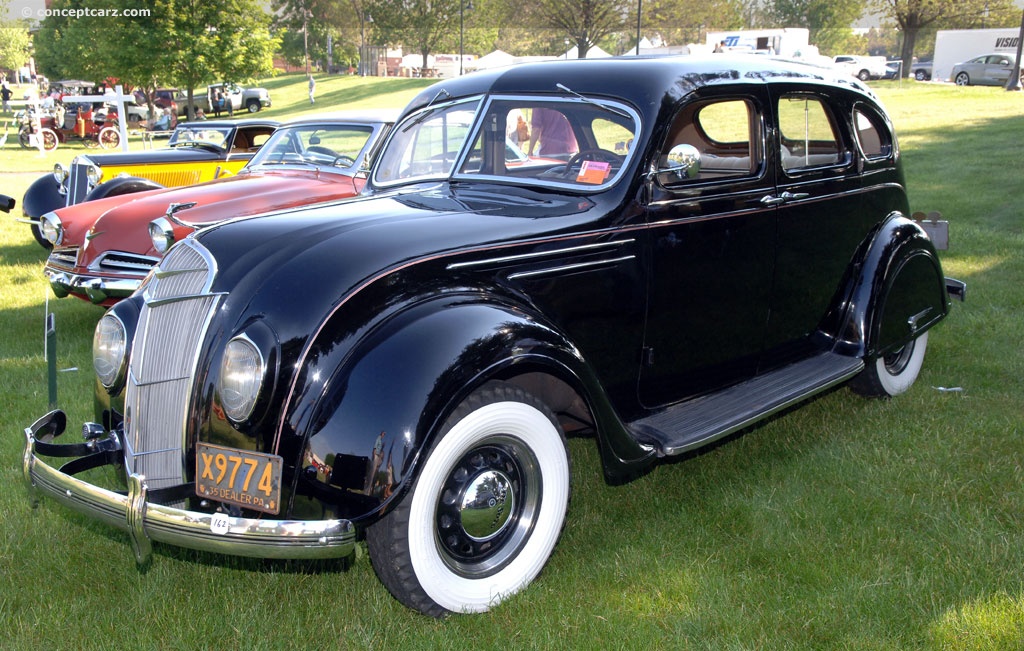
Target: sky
<point>25,9</point>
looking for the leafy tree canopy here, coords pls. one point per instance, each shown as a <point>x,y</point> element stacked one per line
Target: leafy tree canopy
<point>183,43</point>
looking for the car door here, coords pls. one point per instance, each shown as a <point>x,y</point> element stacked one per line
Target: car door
<point>711,246</point>
<point>830,205</point>
<point>997,69</point>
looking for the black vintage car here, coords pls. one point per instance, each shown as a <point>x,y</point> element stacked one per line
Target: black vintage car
<point>695,245</point>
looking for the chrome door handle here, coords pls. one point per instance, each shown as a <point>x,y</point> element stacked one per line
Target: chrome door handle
<point>794,196</point>
<point>769,200</point>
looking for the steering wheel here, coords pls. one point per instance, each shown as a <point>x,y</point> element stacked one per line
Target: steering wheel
<point>347,161</point>
<point>596,154</point>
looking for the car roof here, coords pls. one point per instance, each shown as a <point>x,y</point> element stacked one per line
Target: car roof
<point>632,78</point>
<point>387,116</point>
<point>246,122</point>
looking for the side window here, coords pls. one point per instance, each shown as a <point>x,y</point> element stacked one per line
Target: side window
<point>808,137</point>
<point>872,135</point>
<point>724,132</point>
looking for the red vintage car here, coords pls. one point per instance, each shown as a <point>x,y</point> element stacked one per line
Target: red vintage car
<point>104,248</point>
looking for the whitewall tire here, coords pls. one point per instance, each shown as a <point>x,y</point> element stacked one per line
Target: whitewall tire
<point>485,512</point>
<point>892,374</point>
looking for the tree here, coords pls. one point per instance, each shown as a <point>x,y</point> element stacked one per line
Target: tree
<point>829,21</point>
<point>679,23</point>
<point>15,43</point>
<point>184,43</point>
<point>419,25</point>
<point>584,22</point>
<point>202,41</point>
<point>912,16</point>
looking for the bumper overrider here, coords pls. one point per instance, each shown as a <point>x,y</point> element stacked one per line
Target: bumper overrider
<point>138,511</point>
<point>97,289</point>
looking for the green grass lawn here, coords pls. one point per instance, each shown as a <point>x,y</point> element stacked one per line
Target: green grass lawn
<point>846,524</point>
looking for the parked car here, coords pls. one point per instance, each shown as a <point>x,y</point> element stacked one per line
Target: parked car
<point>195,152</point>
<point>310,160</point>
<point>985,70</point>
<point>921,70</point>
<point>861,67</point>
<point>710,241</point>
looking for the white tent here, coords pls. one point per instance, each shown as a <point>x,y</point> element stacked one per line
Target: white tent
<point>593,53</point>
<point>495,59</point>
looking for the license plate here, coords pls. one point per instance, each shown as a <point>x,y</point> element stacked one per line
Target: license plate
<point>251,480</point>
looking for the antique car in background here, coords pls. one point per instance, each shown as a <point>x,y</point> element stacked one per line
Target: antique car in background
<point>103,249</point>
<point>196,152</point>
<point>712,240</point>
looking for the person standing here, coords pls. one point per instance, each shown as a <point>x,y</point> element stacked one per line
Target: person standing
<point>5,94</point>
<point>312,88</point>
<point>215,102</point>
<point>552,130</point>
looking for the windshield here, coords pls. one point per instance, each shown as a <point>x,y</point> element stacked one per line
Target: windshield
<point>575,142</point>
<point>321,145</point>
<point>193,135</point>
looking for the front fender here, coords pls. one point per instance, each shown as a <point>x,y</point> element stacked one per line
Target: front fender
<point>119,185</point>
<point>392,392</point>
<point>42,197</point>
<point>898,290</point>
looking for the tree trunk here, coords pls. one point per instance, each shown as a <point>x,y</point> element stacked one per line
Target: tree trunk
<point>907,51</point>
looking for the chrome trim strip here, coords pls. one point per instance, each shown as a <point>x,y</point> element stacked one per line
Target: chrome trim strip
<point>583,248</point>
<point>148,522</point>
<point>569,267</point>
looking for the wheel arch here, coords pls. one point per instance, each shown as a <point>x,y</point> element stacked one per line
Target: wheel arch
<point>386,401</point>
<point>122,185</point>
<point>895,292</point>
<point>41,197</point>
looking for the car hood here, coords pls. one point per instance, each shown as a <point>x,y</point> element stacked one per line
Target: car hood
<point>294,268</point>
<point>124,226</point>
<point>184,154</point>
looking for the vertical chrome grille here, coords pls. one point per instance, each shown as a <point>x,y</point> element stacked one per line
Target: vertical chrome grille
<point>78,183</point>
<point>172,325</point>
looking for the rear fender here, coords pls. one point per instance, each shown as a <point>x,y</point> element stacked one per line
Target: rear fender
<point>384,404</point>
<point>897,290</point>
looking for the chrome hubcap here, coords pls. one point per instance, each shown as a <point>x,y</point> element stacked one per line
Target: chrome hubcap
<point>487,507</point>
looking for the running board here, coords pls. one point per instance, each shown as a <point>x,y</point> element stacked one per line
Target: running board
<point>691,424</point>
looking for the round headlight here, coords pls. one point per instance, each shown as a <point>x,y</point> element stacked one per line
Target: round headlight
<point>162,234</point>
<point>109,352</point>
<point>241,377</point>
<point>51,228</point>
<point>60,174</point>
<point>93,173</point>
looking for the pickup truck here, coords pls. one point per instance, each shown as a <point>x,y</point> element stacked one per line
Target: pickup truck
<point>253,99</point>
<point>861,67</point>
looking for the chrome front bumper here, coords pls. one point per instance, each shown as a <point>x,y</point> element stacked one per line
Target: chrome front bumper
<point>96,289</point>
<point>147,522</point>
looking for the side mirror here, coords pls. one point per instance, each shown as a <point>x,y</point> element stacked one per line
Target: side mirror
<point>683,161</point>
